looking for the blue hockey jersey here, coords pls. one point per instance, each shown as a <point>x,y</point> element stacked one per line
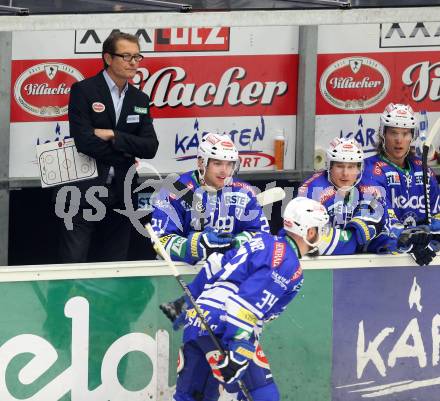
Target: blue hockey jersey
<point>359,203</point>
<point>246,287</point>
<point>404,193</point>
<point>340,207</point>
<point>404,198</point>
<point>233,209</point>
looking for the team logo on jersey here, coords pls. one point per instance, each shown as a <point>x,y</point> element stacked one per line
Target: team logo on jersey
<point>393,178</point>
<point>200,207</point>
<point>279,251</point>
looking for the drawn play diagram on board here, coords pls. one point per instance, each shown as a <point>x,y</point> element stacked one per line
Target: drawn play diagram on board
<point>60,163</point>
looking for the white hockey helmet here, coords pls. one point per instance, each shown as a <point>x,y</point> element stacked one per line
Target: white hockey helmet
<point>400,116</point>
<point>303,213</point>
<point>347,151</point>
<point>218,147</point>
<point>344,150</point>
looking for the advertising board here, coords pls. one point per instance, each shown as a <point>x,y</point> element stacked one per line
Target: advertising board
<point>239,81</point>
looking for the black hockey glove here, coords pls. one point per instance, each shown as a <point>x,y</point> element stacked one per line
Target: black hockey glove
<point>174,308</point>
<point>423,256</point>
<point>414,239</point>
<point>231,369</point>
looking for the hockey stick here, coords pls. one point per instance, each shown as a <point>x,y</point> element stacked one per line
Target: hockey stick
<point>164,254</point>
<point>425,169</point>
<point>270,195</point>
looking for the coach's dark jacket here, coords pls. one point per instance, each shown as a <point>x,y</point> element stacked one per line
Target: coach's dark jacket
<point>134,132</point>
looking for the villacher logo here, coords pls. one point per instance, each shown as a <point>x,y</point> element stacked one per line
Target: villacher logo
<point>43,89</point>
<point>354,83</point>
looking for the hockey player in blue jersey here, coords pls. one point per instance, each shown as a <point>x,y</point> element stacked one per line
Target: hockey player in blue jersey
<point>238,293</point>
<point>399,175</point>
<point>353,209</point>
<point>225,209</point>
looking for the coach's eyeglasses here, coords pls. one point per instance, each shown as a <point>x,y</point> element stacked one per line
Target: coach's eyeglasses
<point>129,57</point>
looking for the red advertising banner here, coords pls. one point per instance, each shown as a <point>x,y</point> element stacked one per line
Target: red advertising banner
<point>367,82</point>
<point>205,86</point>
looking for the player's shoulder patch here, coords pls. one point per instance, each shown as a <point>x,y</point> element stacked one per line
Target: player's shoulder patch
<point>243,185</point>
<point>304,188</point>
<point>314,177</point>
<point>326,194</point>
<point>279,250</point>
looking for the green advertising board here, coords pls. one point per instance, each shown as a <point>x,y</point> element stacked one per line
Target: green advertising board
<point>105,339</point>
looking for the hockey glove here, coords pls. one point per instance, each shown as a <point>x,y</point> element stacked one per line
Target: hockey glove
<point>201,244</point>
<point>236,361</point>
<point>174,309</point>
<point>413,239</point>
<point>424,256</point>
<point>363,230</point>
